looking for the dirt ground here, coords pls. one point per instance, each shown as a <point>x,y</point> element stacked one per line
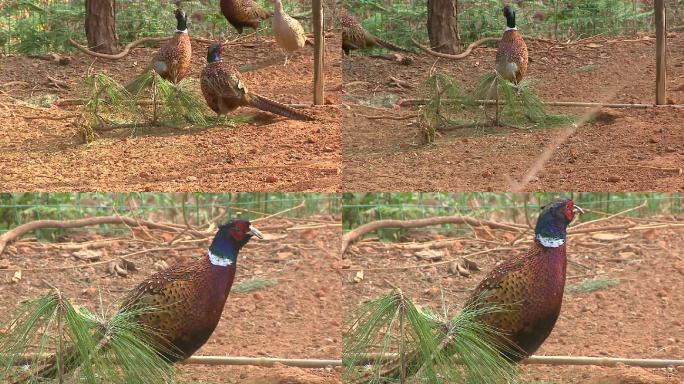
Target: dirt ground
<point>268,154</point>
<point>641,317</point>
<point>381,155</point>
<point>299,317</point>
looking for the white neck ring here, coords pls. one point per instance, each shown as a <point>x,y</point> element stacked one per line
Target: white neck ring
<point>550,242</point>
<point>220,261</point>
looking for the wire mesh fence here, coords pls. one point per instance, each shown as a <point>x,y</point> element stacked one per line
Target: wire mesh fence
<point>556,19</point>
<point>40,26</point>
<point>362,208</point>
<point>195,208</point>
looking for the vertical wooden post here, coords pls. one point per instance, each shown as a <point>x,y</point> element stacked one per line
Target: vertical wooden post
<point>661,51</point>
<point>319,51</point>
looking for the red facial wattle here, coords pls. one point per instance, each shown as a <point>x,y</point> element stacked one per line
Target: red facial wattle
<point>569,210</point>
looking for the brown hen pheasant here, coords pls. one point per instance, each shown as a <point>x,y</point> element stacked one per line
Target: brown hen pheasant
<point>354,36</point>
<point>244,13</point>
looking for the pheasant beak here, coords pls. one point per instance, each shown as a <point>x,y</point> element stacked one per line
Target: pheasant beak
<point>255,232</point>
<point>577,209</point>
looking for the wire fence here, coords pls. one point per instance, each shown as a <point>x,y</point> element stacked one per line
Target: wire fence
<point>197,208</point>
<point>555,19</point>
<point>362,208</point>
<point>40,26</point>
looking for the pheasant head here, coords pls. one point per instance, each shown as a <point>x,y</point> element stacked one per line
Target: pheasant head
<point>182,20</point>
<point>229,239</point>
<point>214,52</point>
<point>551,229</point>
<point>509,13</point>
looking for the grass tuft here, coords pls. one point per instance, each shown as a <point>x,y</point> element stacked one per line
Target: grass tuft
<point>253,285</point>
<point>593,285</point>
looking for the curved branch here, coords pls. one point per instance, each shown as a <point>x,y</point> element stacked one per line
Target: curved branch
<point>461,55</point>
<point>15,233</point>
<point>121,54</point>
<point>353,235</point>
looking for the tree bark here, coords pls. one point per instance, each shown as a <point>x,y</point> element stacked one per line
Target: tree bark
<point>100,26</point>
<point>442,25</point>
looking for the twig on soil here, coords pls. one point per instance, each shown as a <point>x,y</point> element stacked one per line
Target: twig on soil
<point>378,117</point>
<point>301,205</point>
<point>121,54</point>
<point>15,233</point>
<point>353,235</point>
<point>137,253</point>
<point>678,171</point>
<point>461,55</point>
<point>12,83</point>
<point>50,117</point>
<point>432,264</point>
<point>642,205</point>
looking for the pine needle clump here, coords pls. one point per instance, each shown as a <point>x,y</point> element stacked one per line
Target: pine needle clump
<point>391,340</point>
<point>494,102</point>
<point>149,100</point>
<point>445,99</point>
<point>50,340</point>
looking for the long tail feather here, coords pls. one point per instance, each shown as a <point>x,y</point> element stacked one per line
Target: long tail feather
<point>391,46</point>
<point>273,106</point>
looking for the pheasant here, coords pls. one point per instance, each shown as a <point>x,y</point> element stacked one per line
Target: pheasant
<point>224,89</point>
<point>172,61</point>
<point>511,55</point>
<point>289,33</point>
<point>354,36</point>
<point>244,13</point>
<point>529,287</point>
<point>191,297</point>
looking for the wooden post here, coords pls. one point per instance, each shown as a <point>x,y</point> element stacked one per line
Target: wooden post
<point>319,51</point>
<point>661,51</point>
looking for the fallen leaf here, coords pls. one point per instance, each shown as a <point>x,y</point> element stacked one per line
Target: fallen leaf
<point>606,236</point>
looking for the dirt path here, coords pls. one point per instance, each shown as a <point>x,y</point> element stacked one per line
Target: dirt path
<point>382,155</point>
<point>268,154</point>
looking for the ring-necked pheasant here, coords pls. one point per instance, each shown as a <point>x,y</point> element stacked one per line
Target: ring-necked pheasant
<point>190,297</point>
<point>529,286</point>
<point>354,36</point>
<point>511,55</point>
<point>224,89</point>
<point>244,13</point>
<point>288,32</point>
<point>172,61</point>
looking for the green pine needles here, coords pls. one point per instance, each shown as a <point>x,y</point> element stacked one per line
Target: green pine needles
<point>147,101</point>
<point>391,340</point>
<point>50,340</point>
<point>494,102</point>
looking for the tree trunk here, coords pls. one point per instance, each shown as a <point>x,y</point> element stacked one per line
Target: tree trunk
<point>100,26</point>
<point>442,24</point>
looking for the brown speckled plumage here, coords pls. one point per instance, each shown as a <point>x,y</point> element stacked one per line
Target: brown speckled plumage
<point>244,13</point>
<point>511,54</point>
<point>354,36</point>
<point>191,298</point>
<point>527,287</point>
<point>172,62</point>
<point>531,286</point>
<point>224,90</point>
